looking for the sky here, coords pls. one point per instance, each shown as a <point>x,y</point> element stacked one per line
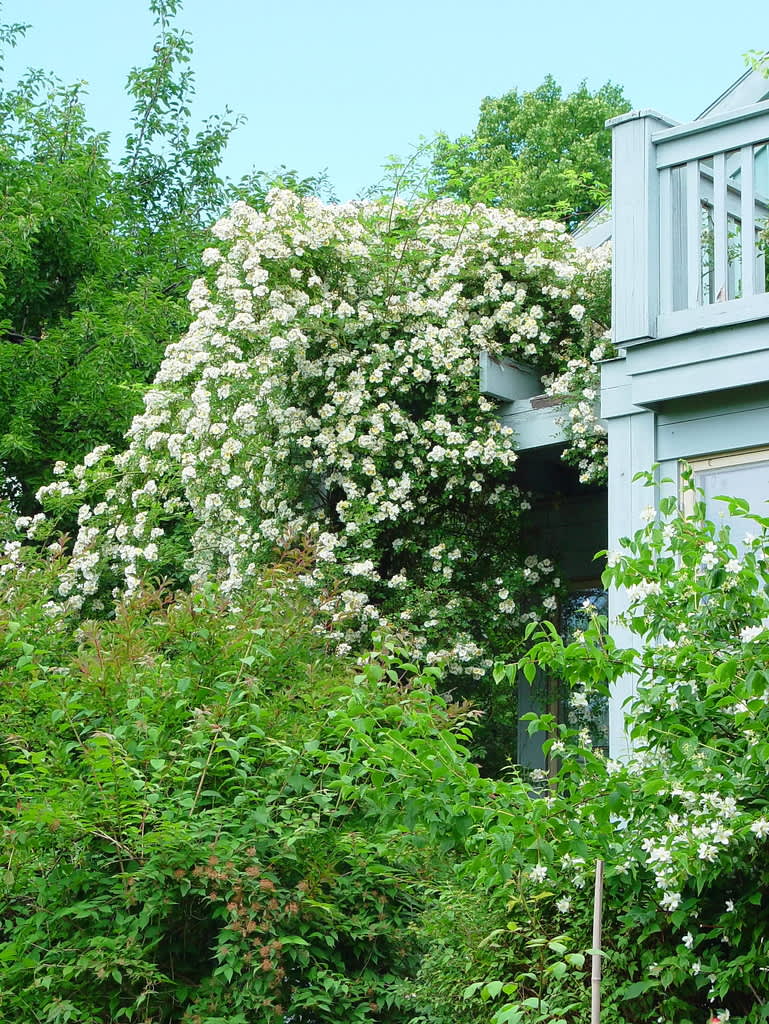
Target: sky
<point>341,85</point>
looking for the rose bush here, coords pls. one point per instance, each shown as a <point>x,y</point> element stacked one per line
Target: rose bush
<point>328,389</point>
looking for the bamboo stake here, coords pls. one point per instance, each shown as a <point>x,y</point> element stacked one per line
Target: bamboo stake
<point>595,995</point>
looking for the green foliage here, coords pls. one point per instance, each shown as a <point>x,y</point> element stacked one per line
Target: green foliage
<point>95,262</point>
<point>530,962</point>
<point>205,817</point>
<point>758,60</point>
<point>541,153</point>
<point>682,826</point>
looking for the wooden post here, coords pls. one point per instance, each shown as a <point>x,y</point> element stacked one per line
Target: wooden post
<point>748,220</point>
<point>635,225</point>
<point>595,994</point>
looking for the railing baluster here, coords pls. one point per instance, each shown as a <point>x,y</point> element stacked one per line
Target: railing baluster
<point>666,241</point>
<point>693,235</point>
<point>721,256</point>
<point>748,217</point>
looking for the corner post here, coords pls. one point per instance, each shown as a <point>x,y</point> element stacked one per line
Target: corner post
<point>636,227</point>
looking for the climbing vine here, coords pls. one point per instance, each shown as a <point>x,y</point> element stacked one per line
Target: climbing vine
<point>327,393</point>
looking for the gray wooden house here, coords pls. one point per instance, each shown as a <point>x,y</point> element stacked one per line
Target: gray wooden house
<point>690,232</point>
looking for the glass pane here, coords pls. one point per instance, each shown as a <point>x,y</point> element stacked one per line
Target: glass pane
<point>749,480</point>
<point>594,716</point>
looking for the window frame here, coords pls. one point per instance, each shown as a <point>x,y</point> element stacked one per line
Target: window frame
<point>718,460</point>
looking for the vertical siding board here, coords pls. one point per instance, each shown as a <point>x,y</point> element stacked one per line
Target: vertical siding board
<point>748,218</point>
<point>666,240</point>
<point>720,229</point>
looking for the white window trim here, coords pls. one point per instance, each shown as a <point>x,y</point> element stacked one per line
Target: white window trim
<point>723,460</point>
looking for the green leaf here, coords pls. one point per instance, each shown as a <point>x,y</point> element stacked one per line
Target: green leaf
<point>637,988</point>
<point>492,989</point>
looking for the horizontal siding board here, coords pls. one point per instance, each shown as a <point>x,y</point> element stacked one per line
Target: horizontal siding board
<point>616,387</point>
<point>724,404</point>
<point>700,378</point>
<point>725,432</point>
<point>618,401</point>
<point>687,349</point>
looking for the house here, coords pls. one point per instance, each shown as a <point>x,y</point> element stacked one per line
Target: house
<point>690,233</point>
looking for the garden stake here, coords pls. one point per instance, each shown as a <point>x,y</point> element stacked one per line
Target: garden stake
<point>595,995</point>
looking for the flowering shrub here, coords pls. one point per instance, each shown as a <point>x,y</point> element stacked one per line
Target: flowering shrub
<point>203,813</point>
<point>328,388</point>
<point>682,826</point>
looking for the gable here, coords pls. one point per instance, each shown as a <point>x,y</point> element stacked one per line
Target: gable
<point>752,87</point>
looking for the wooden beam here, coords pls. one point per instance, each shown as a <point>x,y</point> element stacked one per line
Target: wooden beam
<point>535,426</point>
<point>507,380</point>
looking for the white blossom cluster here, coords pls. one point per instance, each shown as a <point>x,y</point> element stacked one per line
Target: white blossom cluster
<point>328,388</point>
<point>700,826</point>
<point>578,386</point>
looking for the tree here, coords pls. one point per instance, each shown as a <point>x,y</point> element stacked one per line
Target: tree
<point>96,260</point>
<point>538,152</point>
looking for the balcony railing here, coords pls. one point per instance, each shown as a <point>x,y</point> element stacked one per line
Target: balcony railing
<point>691,222</point>
<point>713,221</point>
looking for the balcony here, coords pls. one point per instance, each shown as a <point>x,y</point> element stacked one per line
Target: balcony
<point>691,223</point>
<point>713,187</point>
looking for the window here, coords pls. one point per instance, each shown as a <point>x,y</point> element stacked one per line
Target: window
<point>738,475</point>
<point>547,695</point>
<point>592,717</point>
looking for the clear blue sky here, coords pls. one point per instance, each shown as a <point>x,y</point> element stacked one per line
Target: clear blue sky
<point>342,84</point>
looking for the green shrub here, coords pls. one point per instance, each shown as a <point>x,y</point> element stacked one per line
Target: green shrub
<point>682,826</point>
<point>206,817</point>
